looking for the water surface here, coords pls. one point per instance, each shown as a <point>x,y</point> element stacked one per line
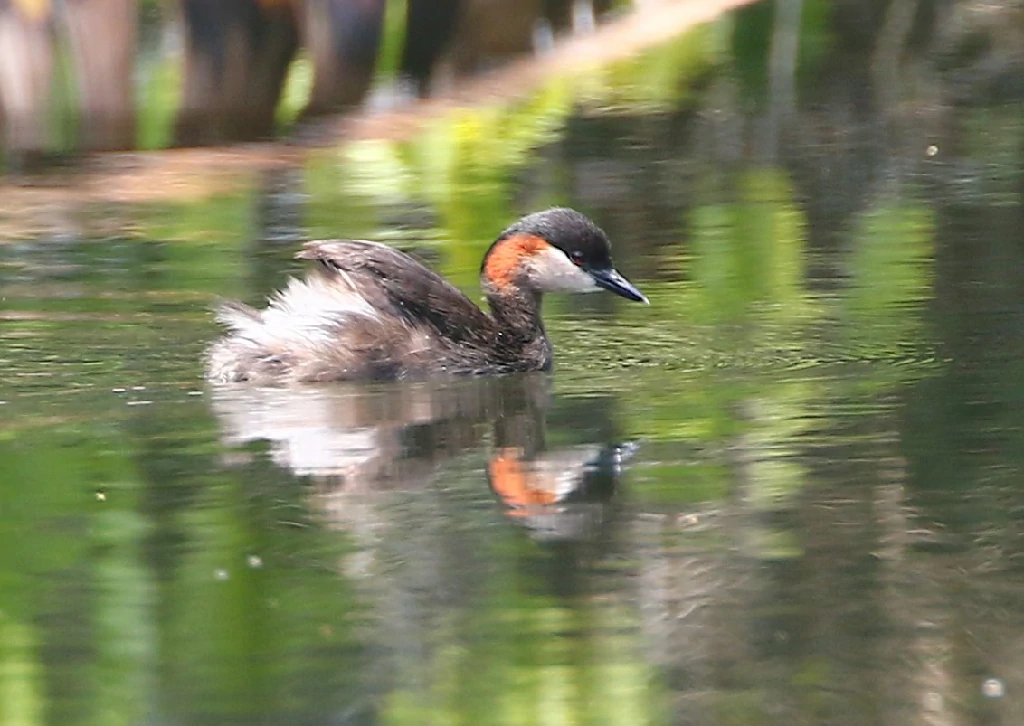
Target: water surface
<point>786,492</point>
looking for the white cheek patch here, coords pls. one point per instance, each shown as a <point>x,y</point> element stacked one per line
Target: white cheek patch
<point>552,271</point>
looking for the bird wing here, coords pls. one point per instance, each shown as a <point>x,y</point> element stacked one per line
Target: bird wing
<point>390,279</point>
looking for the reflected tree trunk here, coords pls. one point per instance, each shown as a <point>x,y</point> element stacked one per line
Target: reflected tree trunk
<point>917,681</point>
<point>782,71</point>
<point>890,47</point>
<point>279,230</point>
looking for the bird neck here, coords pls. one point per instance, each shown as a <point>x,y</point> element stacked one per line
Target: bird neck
<point>516,312</point>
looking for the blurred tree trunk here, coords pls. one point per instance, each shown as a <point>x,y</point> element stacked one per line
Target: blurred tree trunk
<point>429,26</point>
<point>102,35</point>
<point>493,31</point>
<point>26,75</point>
<point>343,38</point>
<point>237,54</point>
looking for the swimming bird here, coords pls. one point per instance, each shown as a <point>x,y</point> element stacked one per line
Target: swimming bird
<point>370,312</point>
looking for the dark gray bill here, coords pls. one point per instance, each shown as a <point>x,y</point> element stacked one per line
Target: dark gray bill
<point>611,280</point>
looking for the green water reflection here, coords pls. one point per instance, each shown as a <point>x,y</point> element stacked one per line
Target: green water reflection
<point>822,522</point>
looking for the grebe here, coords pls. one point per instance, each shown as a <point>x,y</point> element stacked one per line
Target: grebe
<point>370,312</point>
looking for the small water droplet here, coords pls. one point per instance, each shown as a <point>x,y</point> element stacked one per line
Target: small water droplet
<point>254,561</point>
<point>139,403</point>
<point>993,688</point>
<point>138,388</point>
<point>221,574</point>
<point>118,390</point>
<point>195,393</point>
<point>101,496</point>
<point>932,150</point>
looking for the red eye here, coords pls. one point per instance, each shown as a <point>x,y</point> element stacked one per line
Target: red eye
<point>577,258</point>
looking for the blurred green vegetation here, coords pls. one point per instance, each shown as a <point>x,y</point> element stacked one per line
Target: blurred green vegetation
<point>158,96</point>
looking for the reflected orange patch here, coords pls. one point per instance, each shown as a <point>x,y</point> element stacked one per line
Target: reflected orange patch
<point>506,256</point>
<point>515,485</point>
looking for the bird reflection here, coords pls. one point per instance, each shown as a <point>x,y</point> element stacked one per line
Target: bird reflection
<point>354,440</point>
<point>559,494</point>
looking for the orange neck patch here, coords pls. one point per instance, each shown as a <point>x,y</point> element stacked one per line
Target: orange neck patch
<point>506,257</point>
